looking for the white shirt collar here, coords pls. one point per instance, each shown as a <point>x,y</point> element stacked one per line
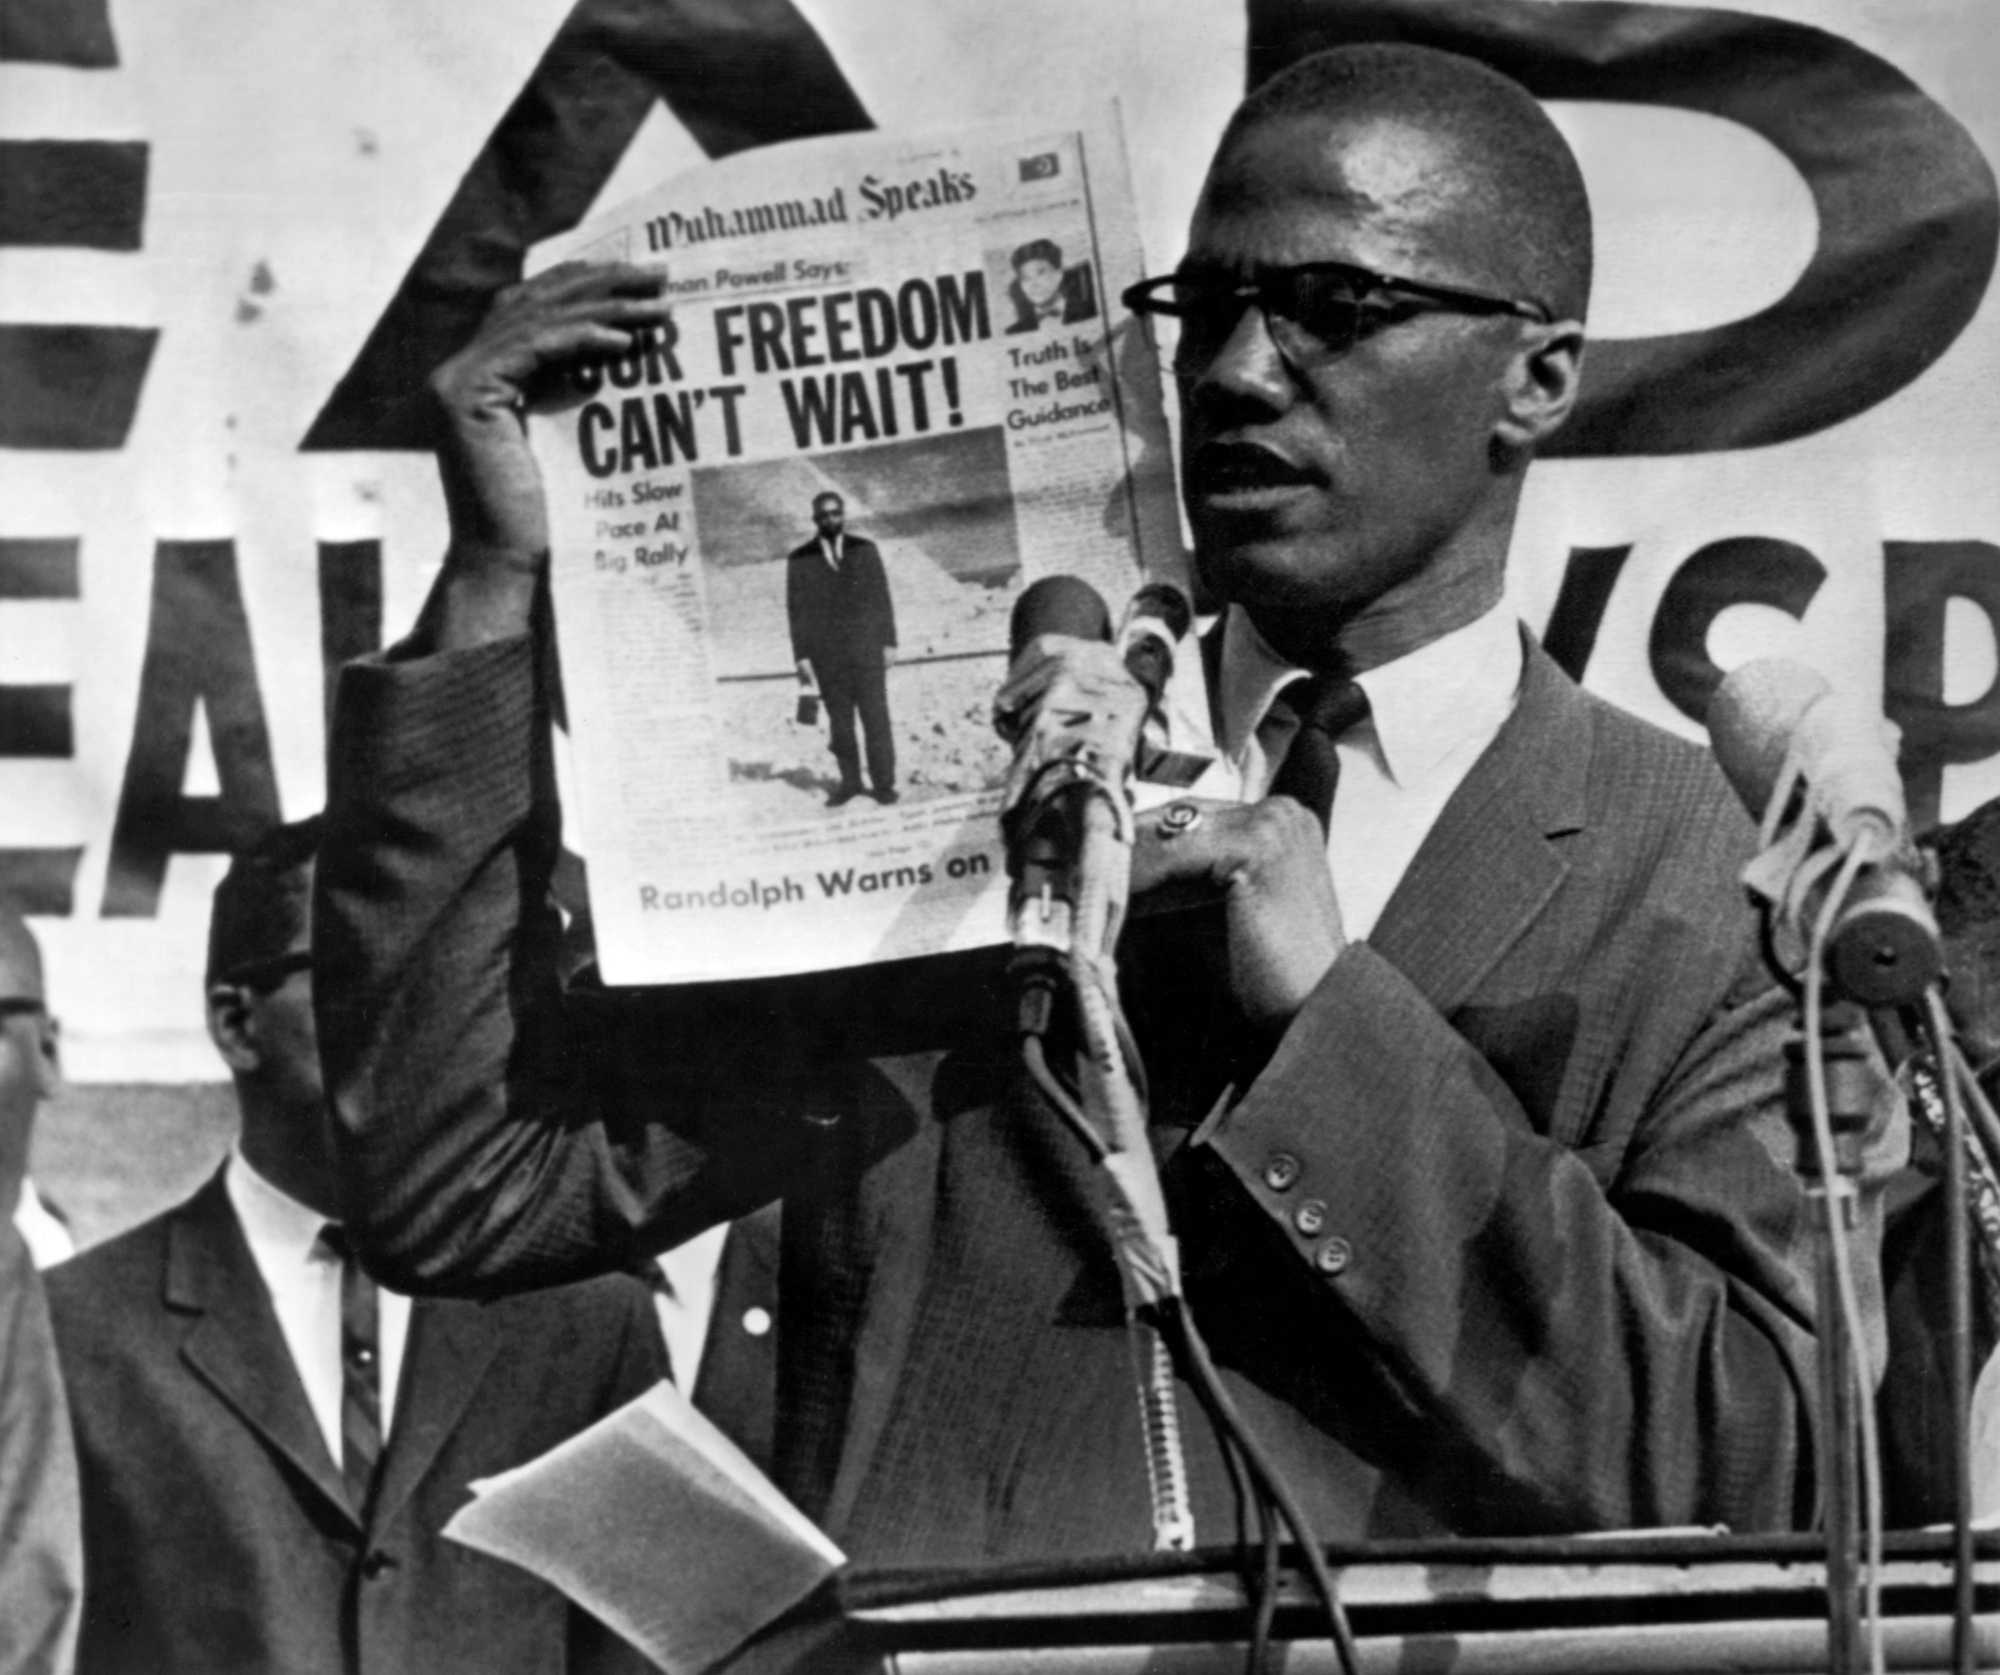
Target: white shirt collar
<point>303,1280</point>
<point>1421,706</point>
<point>49,1240</point>
<point>276,1224</point>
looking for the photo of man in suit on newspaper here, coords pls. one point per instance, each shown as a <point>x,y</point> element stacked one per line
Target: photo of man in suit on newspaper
<point>843,625</point>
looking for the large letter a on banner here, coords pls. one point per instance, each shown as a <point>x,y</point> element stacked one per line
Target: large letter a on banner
<point>737,75</point>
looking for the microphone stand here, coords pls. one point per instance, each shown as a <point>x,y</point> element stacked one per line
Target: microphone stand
<point>1073,843</point>
<point>1148,1254</point>
<point>1836,872</point>
<point>1069,833</point>
<point>1065,927</point>
<point>1068,947</point>
<point>1834,1195</point>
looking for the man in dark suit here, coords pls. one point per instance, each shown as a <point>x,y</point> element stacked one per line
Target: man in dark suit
<point>30,1076</point>
<point>41,1552</point>
<point>41,1557</point>
<point>1465,1080</point>
<point>269,1446</point>
<point>844,640</point>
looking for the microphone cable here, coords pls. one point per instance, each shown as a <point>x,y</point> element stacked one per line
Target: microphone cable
<point>1271,1497</point>
<point>1071,829</point>
<point>1271,1507</point>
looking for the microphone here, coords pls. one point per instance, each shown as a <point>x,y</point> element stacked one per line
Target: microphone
<point>1772,711</point>
<point>1149,634</point>
<point>1045,826</point>
<point>1783,736</point>
<point>1153,624</point>
<point>1057,605</point>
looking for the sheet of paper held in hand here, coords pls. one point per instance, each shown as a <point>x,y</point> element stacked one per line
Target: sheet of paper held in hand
<point>658,1524</point>
<point>928,328</point>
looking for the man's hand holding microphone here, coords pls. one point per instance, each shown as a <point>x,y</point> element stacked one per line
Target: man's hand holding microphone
<point>1073,706</point>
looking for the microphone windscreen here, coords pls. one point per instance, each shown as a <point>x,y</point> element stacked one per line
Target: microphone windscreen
<point>1751,720</point>
<point>1772,709</point>
<point>1163,603</point>
<point>1057,605</point>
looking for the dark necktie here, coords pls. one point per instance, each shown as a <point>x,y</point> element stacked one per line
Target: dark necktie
<point>360,1371</point>
<point>655,1279</point>
<point>1326,706</point>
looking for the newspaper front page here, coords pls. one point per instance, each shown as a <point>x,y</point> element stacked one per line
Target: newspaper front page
<point>789,530</point>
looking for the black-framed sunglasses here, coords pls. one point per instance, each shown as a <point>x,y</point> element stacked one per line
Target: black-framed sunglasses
<point>266,975</point>
<point>21,1006</point>
<point>1312,310</point>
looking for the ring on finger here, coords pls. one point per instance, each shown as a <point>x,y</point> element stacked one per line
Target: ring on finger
<point>1177,819</point>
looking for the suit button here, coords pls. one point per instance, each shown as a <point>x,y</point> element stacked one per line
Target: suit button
<point>820,1119</point>
<point>1333,1257</point>
<point>376,1563</point>
<point>1310,1217</point>
<point>756,1322</point>
<point>1281,1171</point>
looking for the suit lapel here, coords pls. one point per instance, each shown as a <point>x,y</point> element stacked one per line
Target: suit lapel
<point>1493,859</point>
<point>233,1342</point>
<point>451,1345</point>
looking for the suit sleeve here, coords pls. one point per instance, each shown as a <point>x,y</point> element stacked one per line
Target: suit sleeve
<point>881,608</point>
<point>41,1541</point>
<point>495,1132</point>
<point>1600,1329</point>
<point>798,611</point>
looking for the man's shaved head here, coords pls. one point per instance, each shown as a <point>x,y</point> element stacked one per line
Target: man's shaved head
<point>1357,496</point>
<point>1514,163</point>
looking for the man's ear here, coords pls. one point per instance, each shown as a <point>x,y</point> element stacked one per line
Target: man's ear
<point>1540,389</point>
<point>232,1026</point>
<point>48,1058</point>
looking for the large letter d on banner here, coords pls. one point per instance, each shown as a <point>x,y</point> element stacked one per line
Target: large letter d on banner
<point>1908,215</point>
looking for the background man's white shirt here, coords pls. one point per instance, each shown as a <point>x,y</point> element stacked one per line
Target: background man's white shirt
<point>1431,716</point>
<point>303,1278</point>
<point>41,1230</point>
<point>686,1300</point>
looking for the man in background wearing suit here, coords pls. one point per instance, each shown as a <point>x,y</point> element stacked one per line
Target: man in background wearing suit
<point>1465,1071</point>
<point>269,1444</point>
<point>41,1551</point>
<point>33,1079</point>
<point>41,1559</point>
<point>844,640</point>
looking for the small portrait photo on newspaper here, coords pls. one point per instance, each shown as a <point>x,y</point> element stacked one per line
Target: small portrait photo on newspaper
<point>1048,282</point>
<point>858,605</point>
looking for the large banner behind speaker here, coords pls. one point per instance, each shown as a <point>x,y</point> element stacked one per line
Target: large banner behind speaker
<point>213,335</point>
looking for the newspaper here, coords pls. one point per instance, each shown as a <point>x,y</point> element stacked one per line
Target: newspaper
<point>926,329</point>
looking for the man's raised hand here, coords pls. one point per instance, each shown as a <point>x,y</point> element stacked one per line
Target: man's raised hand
<point>493,489</point>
